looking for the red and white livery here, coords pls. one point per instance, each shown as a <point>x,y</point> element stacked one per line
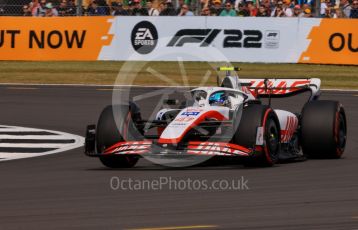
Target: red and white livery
<point>226,121</point>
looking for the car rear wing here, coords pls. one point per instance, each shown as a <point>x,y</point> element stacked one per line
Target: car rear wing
<point>281,87</point>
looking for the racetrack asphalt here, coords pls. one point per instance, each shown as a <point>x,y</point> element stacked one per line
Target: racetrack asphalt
<point>71,191</point>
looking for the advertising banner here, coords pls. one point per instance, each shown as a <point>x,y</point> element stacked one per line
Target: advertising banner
<point>57,38</point>
<point>236,39</point>
<point>333,41</point>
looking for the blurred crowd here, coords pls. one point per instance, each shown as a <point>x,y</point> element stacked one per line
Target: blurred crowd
<point>44,8</point>
<point>242,8</point>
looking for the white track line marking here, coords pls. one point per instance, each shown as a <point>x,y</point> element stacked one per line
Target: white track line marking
<point>22,88</point>
<point>6,128</point>
<point>78,141</point>
<point>32,137</point>
<point>28,145</point>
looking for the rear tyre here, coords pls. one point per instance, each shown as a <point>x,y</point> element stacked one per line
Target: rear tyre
<point>255,116</point>
<point>323,129</point>
<point>111,131</point>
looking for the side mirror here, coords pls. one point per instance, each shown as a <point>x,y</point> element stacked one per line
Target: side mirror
<point>198,98</point>
<point>171,102</point>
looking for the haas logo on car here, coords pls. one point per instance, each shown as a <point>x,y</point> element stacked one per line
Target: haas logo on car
<point>211,148</point>
<point>278,87</point>
<point>129,147</point>
<point>144,37</point>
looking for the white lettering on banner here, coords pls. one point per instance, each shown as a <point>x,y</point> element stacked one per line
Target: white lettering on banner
<point>143,33</point>
<point>144,42</point>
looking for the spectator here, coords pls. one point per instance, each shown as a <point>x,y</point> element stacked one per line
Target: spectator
<point>305,6</point>
<point>297,11</point>
<point>168,10</point>
<point>33,5</point>
<point>96,10</point>
<point>243,11</point>
<point>161,8</point>
<point>292,4</point>
<point>62,9</point>
<point>251,7</point>
<point>262,12</point>
<point>26,11</point>
<point>232,2</point>
<point>307,13</point>
<point>130,8</point>
<point>330,12</point>
<point>205,11</point>
<point>286,8</point>
<point>40,10</point>
<point>216,9</point>
<point>285,11</point>
<point>268,5</point>
<point>354,10</point>
<point>152,11</point>
<point>336,12</point>
<point>50,10</point>
<point>277,5</point>
<point>228,11</point>
<point>339,13</point>
<point>179,7</point>
<point>104,6</point>
<point>206,4</point>
<point>185,11</point>
<point>203,4</point>
<point>117,9</point>
<point>323,8</point>
<point>346,8</point>
<point>279,12</point>
<point>138,10</point>
<point>71,8</point>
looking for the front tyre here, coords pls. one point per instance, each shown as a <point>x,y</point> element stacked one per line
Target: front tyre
<point>119,161</point>
<point>255,116</point>
<point>323,129</point>
<point>110,132</point>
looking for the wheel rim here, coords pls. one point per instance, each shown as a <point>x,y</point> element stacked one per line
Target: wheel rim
<point>342,132</point>
<point>272,139</point>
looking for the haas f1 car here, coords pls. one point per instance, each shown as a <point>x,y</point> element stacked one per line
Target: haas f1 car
<point>227,121</point>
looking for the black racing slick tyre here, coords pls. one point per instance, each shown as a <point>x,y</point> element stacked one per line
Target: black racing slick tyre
<point>323,129</point>
<point>115,124</point>
<point>255,116</point>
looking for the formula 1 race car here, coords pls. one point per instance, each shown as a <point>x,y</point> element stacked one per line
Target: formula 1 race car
<point>227,121</point>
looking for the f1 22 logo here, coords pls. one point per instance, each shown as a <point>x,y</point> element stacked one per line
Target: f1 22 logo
<point>233,38</point>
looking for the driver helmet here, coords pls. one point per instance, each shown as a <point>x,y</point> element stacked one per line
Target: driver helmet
<point>218,98</point>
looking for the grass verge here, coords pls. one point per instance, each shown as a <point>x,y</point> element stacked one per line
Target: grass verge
<point>106,72</point>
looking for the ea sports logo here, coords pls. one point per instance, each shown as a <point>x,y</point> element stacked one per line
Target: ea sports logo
<point>144,37</point>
